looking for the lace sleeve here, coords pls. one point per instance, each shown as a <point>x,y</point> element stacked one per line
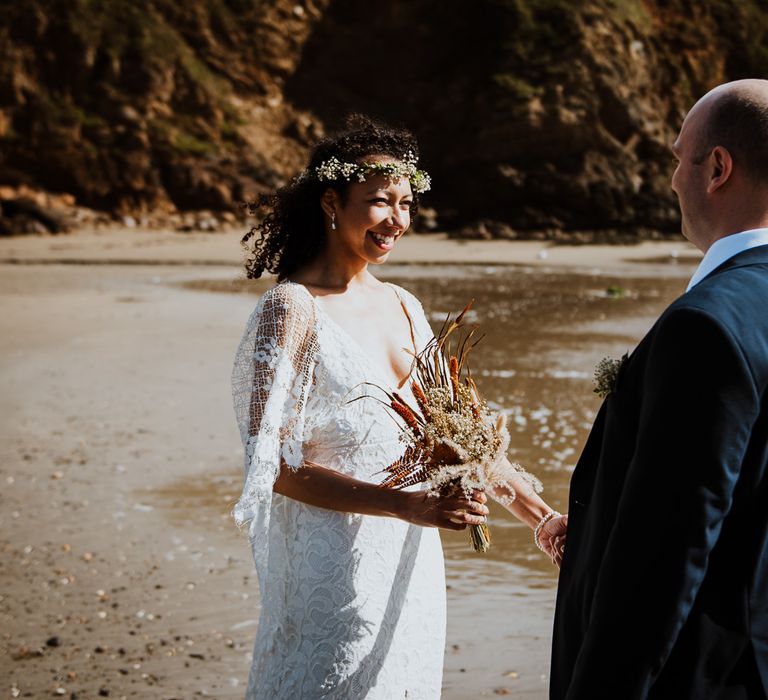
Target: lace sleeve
<point>271,380</point>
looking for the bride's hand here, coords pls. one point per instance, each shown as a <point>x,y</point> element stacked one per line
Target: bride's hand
<point>552,538</point>
<point>453,511</point>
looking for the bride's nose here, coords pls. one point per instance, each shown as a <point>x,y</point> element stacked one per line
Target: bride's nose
<point>399,219</point>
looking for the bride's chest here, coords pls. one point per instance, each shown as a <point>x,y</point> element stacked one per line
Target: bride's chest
<point>377,342</point>
<point>349,389</point>
<point>343,362</point>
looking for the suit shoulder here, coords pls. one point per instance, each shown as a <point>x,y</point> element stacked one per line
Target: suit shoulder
<point>732,290</point>
<point>733,310</point>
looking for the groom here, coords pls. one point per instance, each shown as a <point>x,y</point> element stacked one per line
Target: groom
<point>663,591</point>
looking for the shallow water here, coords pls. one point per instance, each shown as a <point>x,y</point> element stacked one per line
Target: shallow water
<point>544,333</point>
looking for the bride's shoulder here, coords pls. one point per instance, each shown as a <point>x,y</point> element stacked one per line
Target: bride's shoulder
<point>286,300</point>
<point>408,297</point>
<point>288,296</point>
<point>415,311</point>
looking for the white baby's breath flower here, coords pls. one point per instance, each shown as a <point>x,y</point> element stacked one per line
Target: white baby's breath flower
<point>334,169</point>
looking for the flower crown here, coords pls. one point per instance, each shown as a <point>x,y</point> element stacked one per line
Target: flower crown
<point>334,169</point>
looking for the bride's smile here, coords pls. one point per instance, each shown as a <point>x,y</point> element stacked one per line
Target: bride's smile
<point>385,241</point>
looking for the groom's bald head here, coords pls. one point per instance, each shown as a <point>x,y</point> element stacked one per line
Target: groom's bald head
<point>735,117</point>
<point>721,179</point>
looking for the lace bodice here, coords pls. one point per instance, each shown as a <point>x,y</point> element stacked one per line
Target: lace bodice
<point>352,606</point>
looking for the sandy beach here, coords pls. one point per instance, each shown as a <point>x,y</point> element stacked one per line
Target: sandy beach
<point>122,573</point>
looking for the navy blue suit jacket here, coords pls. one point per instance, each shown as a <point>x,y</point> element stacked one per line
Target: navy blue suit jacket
<point>663,591</point>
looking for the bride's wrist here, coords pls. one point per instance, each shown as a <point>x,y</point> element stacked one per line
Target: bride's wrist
<point>410,506</point>
<point>399,504</point>
<point>540,526</point>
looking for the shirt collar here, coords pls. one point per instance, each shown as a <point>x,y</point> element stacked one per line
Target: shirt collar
<point>725,248</point>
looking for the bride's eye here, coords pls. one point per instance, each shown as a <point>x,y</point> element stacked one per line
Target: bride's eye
<point>378,200</point>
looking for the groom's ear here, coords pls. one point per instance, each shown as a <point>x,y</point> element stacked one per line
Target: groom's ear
<point>721,166</point>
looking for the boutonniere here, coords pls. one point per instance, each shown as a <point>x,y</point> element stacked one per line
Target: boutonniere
<point>607,374</point>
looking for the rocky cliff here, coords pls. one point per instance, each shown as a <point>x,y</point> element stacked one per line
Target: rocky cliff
<point>550,116</point>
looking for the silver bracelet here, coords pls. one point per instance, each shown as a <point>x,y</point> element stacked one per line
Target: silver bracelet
<point>542,523</point>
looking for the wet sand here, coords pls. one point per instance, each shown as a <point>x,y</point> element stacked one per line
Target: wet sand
<point>122,574</point>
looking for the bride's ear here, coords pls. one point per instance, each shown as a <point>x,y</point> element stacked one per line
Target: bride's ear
<point>329,202</point>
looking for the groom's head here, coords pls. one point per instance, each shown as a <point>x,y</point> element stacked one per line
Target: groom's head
<point>721,178</point>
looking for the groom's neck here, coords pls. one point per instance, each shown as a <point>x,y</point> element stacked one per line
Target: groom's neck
<point>744,211</point>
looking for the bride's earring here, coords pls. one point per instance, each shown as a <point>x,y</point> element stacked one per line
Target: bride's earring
<point>333,220</point>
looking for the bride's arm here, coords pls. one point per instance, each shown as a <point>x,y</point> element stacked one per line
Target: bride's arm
<point>326,488</point>
<point>519,498</point>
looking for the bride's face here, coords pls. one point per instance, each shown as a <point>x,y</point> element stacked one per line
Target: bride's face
<point>376,214</point>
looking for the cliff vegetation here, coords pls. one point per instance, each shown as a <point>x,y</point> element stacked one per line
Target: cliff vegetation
<point>536,117</point>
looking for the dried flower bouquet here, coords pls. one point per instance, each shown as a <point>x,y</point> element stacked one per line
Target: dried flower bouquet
<point>454,440</point>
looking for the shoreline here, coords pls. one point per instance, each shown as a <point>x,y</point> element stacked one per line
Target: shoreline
<point>124,246</point>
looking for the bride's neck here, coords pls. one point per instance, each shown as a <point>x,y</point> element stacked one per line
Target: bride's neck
<point>333,269</point>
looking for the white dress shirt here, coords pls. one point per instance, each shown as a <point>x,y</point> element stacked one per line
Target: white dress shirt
<point>725,248</point>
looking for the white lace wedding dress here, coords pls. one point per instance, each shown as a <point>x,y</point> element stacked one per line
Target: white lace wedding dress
<point>352,606</point>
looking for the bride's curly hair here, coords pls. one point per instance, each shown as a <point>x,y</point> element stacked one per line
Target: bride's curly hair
<point>292,233</point>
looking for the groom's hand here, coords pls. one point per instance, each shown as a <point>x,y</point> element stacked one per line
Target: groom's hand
<point>552,538</point>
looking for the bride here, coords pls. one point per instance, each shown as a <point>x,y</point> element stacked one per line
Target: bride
<point>351,575</point>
